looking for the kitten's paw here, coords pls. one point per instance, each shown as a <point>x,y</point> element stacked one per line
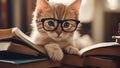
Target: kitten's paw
<point>72,50</point>
<point>54,52</point>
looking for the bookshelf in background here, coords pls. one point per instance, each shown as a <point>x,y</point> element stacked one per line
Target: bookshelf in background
<point>0,15</point>
<point>16,13</point>
<point>30,9</point>
<point>9,13</point>
<point>27,8</point>
<point>112,20</point>
<point>4,14</point>
<point>23,13</point>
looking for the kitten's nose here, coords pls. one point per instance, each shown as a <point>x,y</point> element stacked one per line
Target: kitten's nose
<point>59,31</point>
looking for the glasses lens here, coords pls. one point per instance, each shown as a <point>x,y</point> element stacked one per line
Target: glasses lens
<point>69,26</point>
<point>50,24</point>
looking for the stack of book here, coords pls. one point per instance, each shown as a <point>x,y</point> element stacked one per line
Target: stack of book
<point>17,50</point>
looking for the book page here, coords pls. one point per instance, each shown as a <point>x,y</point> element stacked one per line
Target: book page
<point>99,45</point>
<point>17,32</point>
<point>4,46</point>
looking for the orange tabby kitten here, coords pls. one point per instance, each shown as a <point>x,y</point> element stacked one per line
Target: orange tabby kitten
<point>54,27</point>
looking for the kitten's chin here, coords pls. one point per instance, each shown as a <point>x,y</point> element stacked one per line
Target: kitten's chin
<point>57,38</point>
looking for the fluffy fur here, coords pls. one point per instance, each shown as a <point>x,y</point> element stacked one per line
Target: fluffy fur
<point>57,41</point>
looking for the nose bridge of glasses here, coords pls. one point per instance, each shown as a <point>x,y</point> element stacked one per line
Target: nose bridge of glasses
<point>60,21</point>
<point>59,24</point>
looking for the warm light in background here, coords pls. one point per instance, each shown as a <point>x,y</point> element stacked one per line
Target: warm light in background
<point>87,11</point>
<point>112,4</point>
<point>62,1</point>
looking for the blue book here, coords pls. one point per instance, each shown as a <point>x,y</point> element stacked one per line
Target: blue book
<point>15,60</point>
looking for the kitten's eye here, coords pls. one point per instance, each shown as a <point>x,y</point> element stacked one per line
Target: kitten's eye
<point>66,24</point>
<point>69,25</point>
<point>51,23</point>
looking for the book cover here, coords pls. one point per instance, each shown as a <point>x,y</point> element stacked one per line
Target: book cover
<point>15,60</point>
<point>102,62</point>
<point>17,36</point>
<point>74,60</point>
<point>106,48</point>
<point>17,48</point>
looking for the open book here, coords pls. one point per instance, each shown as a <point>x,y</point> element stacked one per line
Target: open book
<point>100,49</point>
<point>13,39</point>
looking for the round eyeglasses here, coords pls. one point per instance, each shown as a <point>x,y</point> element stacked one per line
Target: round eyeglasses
<point>51,24</point>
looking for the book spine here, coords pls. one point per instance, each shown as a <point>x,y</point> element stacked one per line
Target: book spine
<point>0,15</point>
<point>30,9</point>
<point>16,13</point>
<point>4,14</point>
<point>10,15</point>
<point>24,16</point>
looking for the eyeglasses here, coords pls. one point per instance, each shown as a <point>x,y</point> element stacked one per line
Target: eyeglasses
<point>51,24</point>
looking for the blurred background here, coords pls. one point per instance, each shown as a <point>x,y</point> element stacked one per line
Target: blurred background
<point>100,18</point>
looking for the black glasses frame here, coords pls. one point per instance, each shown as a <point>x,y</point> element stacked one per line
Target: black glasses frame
<point>59,22</point>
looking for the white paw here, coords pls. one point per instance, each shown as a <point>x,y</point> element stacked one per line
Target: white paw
<point>54,52</point>
<point>72,50</point>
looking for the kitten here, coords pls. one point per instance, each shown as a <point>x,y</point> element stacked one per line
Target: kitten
<point>54,28</point>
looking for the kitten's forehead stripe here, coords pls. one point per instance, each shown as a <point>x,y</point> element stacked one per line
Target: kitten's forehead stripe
<point>59,11</point>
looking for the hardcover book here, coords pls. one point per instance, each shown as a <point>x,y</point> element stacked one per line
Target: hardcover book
<point>16,60</point>
<point>17,50</point>
<point>14,38</point>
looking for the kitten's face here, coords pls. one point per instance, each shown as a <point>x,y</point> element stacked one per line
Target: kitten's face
<point>51,16</point>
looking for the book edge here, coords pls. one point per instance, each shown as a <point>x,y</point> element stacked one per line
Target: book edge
<point>98,45</point>
<point>27,39</point>
<point>5,47</point>
<point>23,61</point>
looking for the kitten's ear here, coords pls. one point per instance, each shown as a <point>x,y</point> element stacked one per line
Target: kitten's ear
<point>41,5</point>
<point>75,6</point>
